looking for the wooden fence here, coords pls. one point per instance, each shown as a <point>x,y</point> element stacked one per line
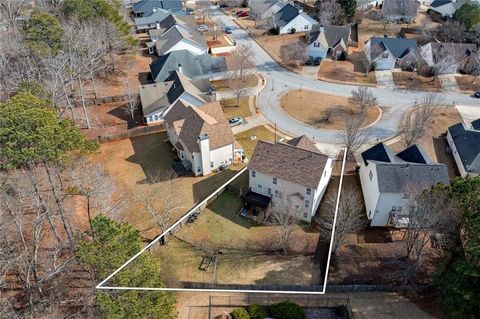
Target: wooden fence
<point>134,132</point>
<point>103,100</point>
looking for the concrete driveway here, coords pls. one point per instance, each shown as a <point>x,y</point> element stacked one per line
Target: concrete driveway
<point>385,79</point>
<point>279,80</point>
<point>449,83</point>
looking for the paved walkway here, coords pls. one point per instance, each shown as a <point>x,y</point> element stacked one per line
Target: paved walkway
<point>278,80</point>
<point>249,123</point>
<point>385,79</point>
<point>449,83</point>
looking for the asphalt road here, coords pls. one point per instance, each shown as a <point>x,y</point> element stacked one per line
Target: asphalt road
<point>394,102</point>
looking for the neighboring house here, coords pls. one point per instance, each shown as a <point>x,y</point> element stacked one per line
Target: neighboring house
<point>201,66</point>
<point>297,169</point>
<point>387,53</point>
<point>446,8</point>
<point>151,21</point>
<point>265,9</point>
<point>448,58</point>
<point>389,182</point>
<point>185,23</point>
<point>402,11</point>
<point>146,7</point>
<point>464,141</point>
<point>323,40</point>
<point>157,99</point>
<point>180,38</point>
<point>290,19</point>
<point>202,137</point>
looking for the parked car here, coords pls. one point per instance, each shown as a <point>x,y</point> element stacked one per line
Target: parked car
<point>235,121</point>
<point>202,28</point>
<point>317,61</point>
<point>228,30</point>
<point>309,61</point>
<point>477,94</point>
<point>242,14</point>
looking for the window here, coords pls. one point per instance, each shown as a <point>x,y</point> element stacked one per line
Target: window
<point>309,191</point>
<point>306,27</point>
<point>370,175</point>
<point>156,117</point>
<point>253,174</point>
<point>305,215</point>
<point>316,44</point>
<point>211,164</point>
<point>150,118</point>
<point>259,186</point>
<point>307,203</point>
<point>278,194</point>
<point>269,191</point>
<point>385,56</point>
<point>275,180</point>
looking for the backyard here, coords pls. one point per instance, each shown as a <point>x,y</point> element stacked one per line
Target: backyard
<point>247,252</point>
<point>249,139</point>
<point>232,109</point>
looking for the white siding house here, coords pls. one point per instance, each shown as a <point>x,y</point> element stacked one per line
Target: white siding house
<point>391,181</point>
<point>291,19</point>
<point>464,143</point>
<point>388,53</point>
<point>272,174</point>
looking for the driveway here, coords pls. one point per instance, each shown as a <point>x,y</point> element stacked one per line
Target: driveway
<point>278,80</point>
<point>449,83</point>
<point>385,79</point>
<point>249,123</point>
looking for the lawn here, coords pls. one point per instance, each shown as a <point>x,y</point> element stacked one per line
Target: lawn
<point>248,252</point>
<point>313,108</point>
<point>413,81</point>
<point>468,83</point>
<point>273,43</point>
<point>351,70</point>
<point>142,166</point>
<point>232,109</point>
<point>249,80</point>
<point>261,133</point>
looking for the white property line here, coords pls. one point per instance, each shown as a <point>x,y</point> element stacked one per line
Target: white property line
<point>334,220</point>
<point>100,285</point>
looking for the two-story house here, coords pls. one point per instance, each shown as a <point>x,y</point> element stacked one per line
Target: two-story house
<point>390,180</point>
<point>464,142</point>
<point>280,171</point>
<point>322,40</point>
<point>202,137</point>
<point>447,58</point>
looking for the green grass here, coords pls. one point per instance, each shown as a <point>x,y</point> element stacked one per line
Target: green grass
<point>248,144</point>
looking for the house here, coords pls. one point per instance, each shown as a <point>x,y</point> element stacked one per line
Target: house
<point>331,39</point>
<point>464,142</point>
<point>447,58</point>
<point>446,8</point>
<point>201,66</point>
<point>265,9</point>
<point>157,99</point>
<point>144,8</point>
<point>202,137</point>
<point>184,23</point>
<point>390,181</point>
<point>282,171</point>
<point>387,53</point>
<point>180,38</point>
<point>151,21</point>
<point>291,19</point>
<point>404,11</point>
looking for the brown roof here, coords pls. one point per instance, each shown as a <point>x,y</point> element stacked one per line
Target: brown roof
<point>304,143</point>
<point>190,122</point>
<point>288,162</point>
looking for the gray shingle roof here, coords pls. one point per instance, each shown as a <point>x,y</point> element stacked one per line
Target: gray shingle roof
<point>152,19</point>
<point>439,3</point>
<point>333,34</point>
<point>286,14</point>
<point>192,65</point>
<point>405,172</point>
<point>467,142</point>
<point>176,34</point>
<point>290,163</point>
<point>398,46</point>
<point>146,7</point>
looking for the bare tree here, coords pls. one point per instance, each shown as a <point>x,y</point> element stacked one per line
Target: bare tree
<point>11,10</point>
<point>417,120</point>
<point>362,98</point>
<point>132,105</point>
<point>447,32</point>
<point>329,12</point>
<point>294,53</point>
<point>241,61</point>
<point>349,216</point>
<point>283,216</point>
<point>366,60</point>
<point>353,136</point>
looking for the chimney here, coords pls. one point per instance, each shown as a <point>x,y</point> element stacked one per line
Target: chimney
<point>158,25</point>
<point>204,145</point>
<point>154,10</point>
<point>180,69</point>
<point>321,29</point>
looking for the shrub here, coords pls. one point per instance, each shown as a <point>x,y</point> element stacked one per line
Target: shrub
<point>240,313</point>
<point>344,56</point>
<point>287,310</point>
<point>341,311</point>
<point>293,30</point>
<point>256,311</point>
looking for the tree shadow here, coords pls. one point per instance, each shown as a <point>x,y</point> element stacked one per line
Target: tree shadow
<point>440,146</point>
<point>155,156</point>
<point>145,78</point>
<point>205,186</point>
<point>120,113</point>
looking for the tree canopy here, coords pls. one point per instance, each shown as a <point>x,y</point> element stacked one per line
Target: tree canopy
<point>349,8</point>
<point>468,14</point>
<point>31,132</point>
<point>43,33</point>
<point>105,247</point>
<point>458,277</point>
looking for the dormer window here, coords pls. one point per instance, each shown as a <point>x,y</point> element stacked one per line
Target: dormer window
<point>275,180</point>
<point>370,175</point>
<point>385,56</point>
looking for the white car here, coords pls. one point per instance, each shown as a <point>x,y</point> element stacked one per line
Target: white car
<point>202,28</point>
<point>235,121</point>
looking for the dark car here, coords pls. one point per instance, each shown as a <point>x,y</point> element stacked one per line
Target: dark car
<point>309,61</point>
<point>317,61</point>
<point>477,94</point>
<point>228,30</point>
